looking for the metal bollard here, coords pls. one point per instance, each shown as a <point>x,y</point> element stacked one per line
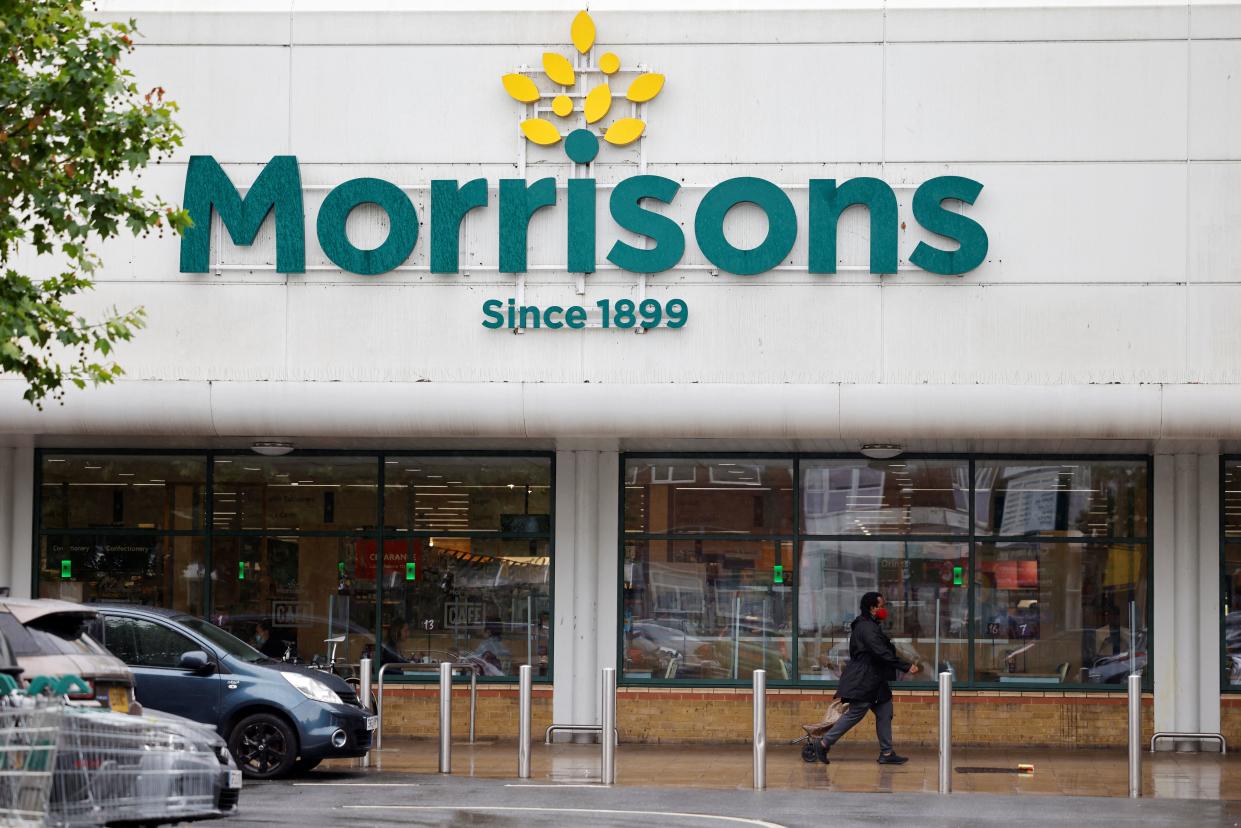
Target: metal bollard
<point>523,722</point>
<point>473,700</point>
<point>608,737</point>
<point>760,730</point>
<point>364,690</point>
<point>445,717</point>
<point>1135,735</point>
<point>945,732</point>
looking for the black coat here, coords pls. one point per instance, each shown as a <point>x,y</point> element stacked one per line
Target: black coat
<point>872,663</point>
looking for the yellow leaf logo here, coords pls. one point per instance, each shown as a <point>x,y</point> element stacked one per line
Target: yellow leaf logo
<point>645,87</point>
<point>598,102</point>
<point>521,88</point>
<point>540,131</point>
<point>559,69</point>
<point>583,32</point>
<point>600,69</point>
<point>624,131</point>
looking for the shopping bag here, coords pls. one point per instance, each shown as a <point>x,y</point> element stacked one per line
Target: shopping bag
<point>835,710</point>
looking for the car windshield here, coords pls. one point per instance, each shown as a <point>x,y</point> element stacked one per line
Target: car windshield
<point>60,633</point>
<point>226,641</point>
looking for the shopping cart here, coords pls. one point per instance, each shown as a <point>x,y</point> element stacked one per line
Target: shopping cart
<point>117,768</point>
<point>29,730</point>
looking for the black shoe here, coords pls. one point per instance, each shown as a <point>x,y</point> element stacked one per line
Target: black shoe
<point>892,759</point>
<point>820,752</point>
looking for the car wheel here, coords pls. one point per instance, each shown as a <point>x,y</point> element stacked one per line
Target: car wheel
<point>263,745</point>
<point>305,765</point>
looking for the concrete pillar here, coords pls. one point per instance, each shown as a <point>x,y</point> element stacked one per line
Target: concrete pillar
<point>1185,594</point>
<point>587,488</point>
<point>1207,594</point>
<point>1163,583</point>
<point>585,685</point>
<point>565,586</point>
<point>21,534</point>
<point>607,548</point>
<point>1185,578</point>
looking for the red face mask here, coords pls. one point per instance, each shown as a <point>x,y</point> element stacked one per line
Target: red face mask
<point>881,614</point>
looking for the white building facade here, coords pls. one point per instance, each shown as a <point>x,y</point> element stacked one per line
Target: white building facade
<point>1065,410</point>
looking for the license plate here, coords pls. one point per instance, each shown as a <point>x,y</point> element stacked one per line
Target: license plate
<point>234,779</point>
<point>372,722</point>
<point>118,699</point>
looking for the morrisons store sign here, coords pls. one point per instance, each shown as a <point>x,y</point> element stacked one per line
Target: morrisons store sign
<point>278,189</point>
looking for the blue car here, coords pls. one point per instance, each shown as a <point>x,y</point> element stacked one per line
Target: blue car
<point>277,718</point>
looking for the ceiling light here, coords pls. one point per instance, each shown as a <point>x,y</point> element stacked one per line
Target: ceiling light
<point>271,448</point>
<point>881,451</point>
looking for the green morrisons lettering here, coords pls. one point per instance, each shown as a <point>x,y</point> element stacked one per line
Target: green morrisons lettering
<point>278,190</point>
<point>402,220</point>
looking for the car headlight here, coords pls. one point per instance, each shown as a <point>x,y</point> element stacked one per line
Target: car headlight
<point>312,688</point>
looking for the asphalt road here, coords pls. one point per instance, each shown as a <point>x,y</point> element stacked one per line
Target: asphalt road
<point>381,799</point>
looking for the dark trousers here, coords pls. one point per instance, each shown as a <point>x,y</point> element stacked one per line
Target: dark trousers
<point>855,714</point>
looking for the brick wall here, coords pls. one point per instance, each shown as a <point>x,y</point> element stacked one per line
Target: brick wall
<point>414,711</point>
<point>1230,720</point>
<point>676,716</point>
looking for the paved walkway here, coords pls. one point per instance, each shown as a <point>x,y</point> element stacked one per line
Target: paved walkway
<point>1099,773</point>
<point>378,799</point>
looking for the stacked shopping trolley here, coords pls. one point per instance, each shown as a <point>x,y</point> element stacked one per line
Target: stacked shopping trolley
<point>66,765</point>
<point>29,737</point>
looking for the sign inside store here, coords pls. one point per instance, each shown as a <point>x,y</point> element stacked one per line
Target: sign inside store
<point>463,615</point>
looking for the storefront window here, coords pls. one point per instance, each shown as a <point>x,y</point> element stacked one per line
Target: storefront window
<point>131,491</point>
<point>1051,613</point>
<point>307,588</point>
<point>289,494</point>
<point>1018,572</point>
<point>1066,498</point>
<point>885,497</point>
<point>288,552</point>
<point>924,588</point>
<point>709,497</point>
<point>708,609</point>
<point>480,601</point>
<point>468,494</point>
<point>153,570</point>
<point>1230,575</point>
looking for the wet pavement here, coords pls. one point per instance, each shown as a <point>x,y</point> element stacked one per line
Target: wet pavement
<point>1086,772</point>
<point>698,787</point>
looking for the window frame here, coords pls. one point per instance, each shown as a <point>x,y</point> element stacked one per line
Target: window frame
<point>971,540</point>
<point>378,532</point>
<point>1226,687</point>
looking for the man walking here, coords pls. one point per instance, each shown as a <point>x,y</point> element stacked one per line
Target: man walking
<point>864,685</point>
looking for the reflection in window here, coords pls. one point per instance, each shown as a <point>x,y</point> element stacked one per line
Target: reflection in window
<point>486,602</point>
<point>152,570</point>
<point>1066,498</point>
<point>711,609</point>
<point>1232,612</point>
<point>131,491</point>
<point>881,497</point>
<point>731,497</point>
<point>1049,613</point>
<point>295,493</point>
<point>312,591</point>
<point>917,580</point>
<point>475,494</point>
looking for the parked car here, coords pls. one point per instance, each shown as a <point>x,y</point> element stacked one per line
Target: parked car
<point>49,638</point>
<point>276,717</point>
